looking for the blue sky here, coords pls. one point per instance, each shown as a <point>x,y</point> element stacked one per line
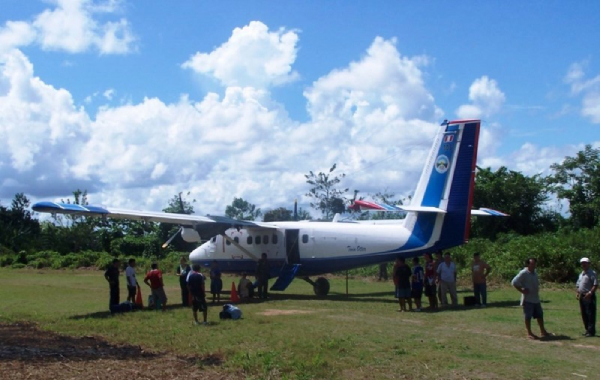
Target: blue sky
<point>136,101</point>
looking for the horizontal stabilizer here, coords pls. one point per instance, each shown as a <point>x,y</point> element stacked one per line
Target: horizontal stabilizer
<point>487,212</point>
<point>372,206</point>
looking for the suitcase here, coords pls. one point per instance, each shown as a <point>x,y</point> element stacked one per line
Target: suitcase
<point>470,301</point>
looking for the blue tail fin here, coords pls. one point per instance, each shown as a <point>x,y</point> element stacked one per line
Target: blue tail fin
<point>446,184</point>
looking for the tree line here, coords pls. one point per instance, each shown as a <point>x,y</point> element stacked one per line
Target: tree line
<point>71,241</point>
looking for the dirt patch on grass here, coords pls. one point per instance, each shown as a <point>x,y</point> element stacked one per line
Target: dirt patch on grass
<point>273,312</point>
<point>29,353</point>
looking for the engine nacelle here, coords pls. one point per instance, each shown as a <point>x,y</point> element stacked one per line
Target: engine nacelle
<point>190,235</point>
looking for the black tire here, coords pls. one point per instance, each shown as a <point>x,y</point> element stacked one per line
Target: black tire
<point>321,287</point>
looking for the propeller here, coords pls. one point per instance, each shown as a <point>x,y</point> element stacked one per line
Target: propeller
<point>172,237</point>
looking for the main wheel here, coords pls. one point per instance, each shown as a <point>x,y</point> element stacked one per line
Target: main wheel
<point>321,287</point>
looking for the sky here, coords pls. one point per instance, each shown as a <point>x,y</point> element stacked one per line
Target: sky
<point>137,101</point>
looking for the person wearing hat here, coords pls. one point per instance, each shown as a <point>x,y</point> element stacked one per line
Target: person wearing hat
<point>587,283</point>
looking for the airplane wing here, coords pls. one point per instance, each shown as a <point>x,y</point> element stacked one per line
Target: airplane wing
<point>206,225</point>
<point>360,205</point>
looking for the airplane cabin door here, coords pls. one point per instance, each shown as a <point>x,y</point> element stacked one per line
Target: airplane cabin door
<point>291,246</point>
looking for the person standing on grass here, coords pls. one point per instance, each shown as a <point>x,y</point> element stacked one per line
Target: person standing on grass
<point>195,284</point>
<point>155,281</point>
<point>132,283</point>
<point>262,276</point>
<point>402,277</point>
<point>417,283</point>
<point>182,271</point>
<point>587,283</point>
<point>480,270</point>
<point>527,283</point>
<point>430,285</point>
<point>447,276</point>
<point>112,276</point>
<point>216,284</point>
<point>439,258</point>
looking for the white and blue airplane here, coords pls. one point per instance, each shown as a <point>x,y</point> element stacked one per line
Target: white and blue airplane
<point>438,218</point>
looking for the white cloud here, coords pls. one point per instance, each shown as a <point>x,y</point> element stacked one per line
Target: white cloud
<point>589,89</point>
<point>486,99</point>
<point>252,57</point>
<point>39,127</point>
<point>108,94</point>
<point>382,83</point>
<point>15,34</point>
<point>71,26</point>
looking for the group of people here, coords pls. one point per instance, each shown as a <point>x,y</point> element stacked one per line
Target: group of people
<point>191,281</point>
<point>437,280</point>
<point>527,283</point>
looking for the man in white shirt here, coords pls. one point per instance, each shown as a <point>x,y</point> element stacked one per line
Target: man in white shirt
<point>447,276</point>
<point>587,283</point>
<point>132,283</point>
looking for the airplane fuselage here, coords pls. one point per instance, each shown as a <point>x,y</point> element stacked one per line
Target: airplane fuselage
<point>319,247</point>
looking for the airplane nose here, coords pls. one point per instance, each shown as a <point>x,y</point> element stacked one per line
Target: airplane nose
<point>198,255</point>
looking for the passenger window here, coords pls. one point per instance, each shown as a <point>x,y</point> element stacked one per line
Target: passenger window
<point>249,240</point>
<point>305,238</point>
<point>257,240</point>
<point>236,239</point>
<point>274,239</point>
<point>266,239</point>
<point>227,242</point>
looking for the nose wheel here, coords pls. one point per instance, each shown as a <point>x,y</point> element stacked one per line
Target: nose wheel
<point>320,287</point>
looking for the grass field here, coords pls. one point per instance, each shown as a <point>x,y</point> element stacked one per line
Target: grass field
<point>297,336</point>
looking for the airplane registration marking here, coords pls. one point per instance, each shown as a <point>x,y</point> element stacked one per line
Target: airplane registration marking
<point>358,248</point>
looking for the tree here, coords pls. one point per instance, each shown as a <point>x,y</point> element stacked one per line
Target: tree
<point>176,205</point>
<point>325,196</point>
<point>520,196</point>
<point>577,179</point>
<point>18,230</point>
<point>280,214</point>
<point>242,210</point>
<point>78,233</point>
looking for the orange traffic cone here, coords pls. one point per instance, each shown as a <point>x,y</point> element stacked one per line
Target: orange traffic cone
<point>138,298</point>
<point>234,294</point>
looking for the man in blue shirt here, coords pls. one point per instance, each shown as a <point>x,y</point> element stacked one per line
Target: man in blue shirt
<point>195,283</point>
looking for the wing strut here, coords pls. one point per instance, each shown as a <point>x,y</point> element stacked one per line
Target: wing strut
<point>240,247</point>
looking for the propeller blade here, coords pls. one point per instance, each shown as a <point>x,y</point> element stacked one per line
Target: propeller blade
<point>171,238</point>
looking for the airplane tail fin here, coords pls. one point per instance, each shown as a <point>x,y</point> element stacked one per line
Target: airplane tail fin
<point>444,194</point>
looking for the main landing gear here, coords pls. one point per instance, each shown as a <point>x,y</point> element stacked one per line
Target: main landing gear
<point>321,286</point>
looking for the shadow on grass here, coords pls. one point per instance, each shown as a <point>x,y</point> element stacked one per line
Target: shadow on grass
<point>554,337</point>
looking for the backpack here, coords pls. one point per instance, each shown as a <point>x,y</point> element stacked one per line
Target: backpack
<point>230,312</point>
